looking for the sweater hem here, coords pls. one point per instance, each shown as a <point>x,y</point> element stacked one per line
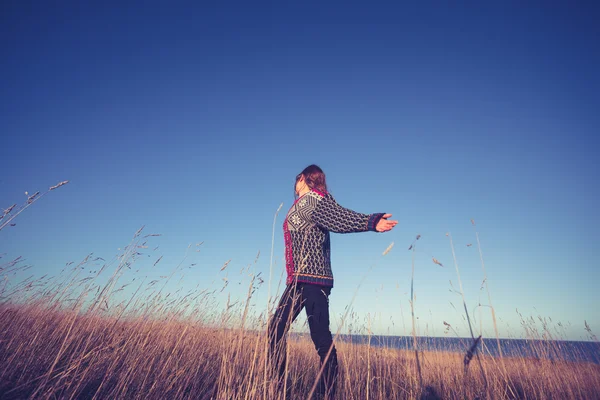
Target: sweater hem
<point>316,280</point>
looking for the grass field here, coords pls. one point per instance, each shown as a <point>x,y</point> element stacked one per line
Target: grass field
<point>81,335</point>
<point>52,349</point>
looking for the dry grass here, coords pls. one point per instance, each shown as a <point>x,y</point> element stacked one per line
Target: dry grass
<point>68,354</point>
<point>75,336</point>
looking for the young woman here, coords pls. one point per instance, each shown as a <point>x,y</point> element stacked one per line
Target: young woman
<point>306,229</point>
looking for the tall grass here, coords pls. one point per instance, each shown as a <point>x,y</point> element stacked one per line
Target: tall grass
<point>77,336</point>
<point>69,354</point>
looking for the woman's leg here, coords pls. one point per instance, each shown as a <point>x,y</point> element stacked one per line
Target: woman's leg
<point>317,311</point>
<point>289,307</point>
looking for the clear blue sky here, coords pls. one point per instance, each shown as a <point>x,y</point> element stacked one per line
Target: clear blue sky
<point>194,120</point>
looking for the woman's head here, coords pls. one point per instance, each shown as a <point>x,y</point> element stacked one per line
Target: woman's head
<point>312,177</point>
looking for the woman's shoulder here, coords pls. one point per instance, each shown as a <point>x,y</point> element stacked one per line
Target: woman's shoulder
<point>317,193</point>
<point>320,197</point>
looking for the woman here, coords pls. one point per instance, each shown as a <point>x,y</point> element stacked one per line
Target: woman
<point>306,229</point>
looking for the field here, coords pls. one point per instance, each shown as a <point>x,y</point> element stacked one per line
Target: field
<point>55,349</point>
<point>81,335</point>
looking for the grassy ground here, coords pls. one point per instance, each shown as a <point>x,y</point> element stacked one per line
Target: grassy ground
<point>77,336</point>
<point>69,354</point>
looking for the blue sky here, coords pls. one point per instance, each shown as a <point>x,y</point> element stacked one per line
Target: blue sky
<point>193,120</point>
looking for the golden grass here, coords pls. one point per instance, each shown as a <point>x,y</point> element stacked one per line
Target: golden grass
<point>74,337</point>
<point>68,354</point>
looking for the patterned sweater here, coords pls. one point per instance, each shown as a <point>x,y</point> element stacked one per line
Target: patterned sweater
<point>306,232</point>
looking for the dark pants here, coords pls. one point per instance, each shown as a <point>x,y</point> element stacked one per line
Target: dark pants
<point>315,299</point>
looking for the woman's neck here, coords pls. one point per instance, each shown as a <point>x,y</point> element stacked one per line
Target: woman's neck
<point>303,191</point>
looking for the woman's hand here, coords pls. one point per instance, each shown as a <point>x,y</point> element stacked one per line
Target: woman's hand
<point>384,224</point>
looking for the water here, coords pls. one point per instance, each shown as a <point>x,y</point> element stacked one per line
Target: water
<point>536,349</point>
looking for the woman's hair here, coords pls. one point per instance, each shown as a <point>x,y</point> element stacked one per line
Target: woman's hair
<point>314,178</point>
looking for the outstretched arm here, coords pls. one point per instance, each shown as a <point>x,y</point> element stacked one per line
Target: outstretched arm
<point>331,216</point>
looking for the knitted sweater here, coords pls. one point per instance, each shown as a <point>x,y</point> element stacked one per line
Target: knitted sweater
<point>306,232</point>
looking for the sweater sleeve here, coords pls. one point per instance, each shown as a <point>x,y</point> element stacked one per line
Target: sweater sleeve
<point>329,215</point>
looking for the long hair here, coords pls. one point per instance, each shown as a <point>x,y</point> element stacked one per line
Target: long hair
<point>314,178</point>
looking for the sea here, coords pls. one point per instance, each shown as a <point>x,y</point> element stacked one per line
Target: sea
<point>564,350</point>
